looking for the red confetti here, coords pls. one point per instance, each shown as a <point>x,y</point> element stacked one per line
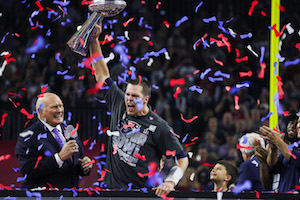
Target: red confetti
<point>221,186</point>
<point>29,116</point>
<point>262,70</point>
<point>237,53</point>
<point>102,147</point>
<point>227,88</point>
<point>105,129</point>
<point>177,82</point>
<point>239,60</point>
<point>85,142</point>
<point>94,90</point>
<point>50,9</point>
<point>85,2</point>
<point>263,13</point>
<point>37,162</point>
<point>39,5</point>
<point>11,93</point>
<point>102,176</point>
<point>298,46</point>
<point>125,126</point>
<point>254,3</point>
<point>243,74</point>
<point>285,113</point>
<point>157,5</point>
<point>188,120</point>
<point>282,9</point>
<point>81,41</point>
<point>12,102</point>
<point>170,153</point>
<point>174,133</point>
<point>8,60</point>
<point>115,149</point>
<point>236,100</point>
<point>150,43</point>
<point>166,24</point>
<point>16,34</point>
<point>61,10</point>
<point>218,62</point>
<point>3,118</point>
<point>88,191</point>
<point>5,157</point>
<point>208,164</point>
<point>107,39</point>
<point>91,162</point>
<point>257,194</point>
<point>178,91</point>
<point>76,128</point>
<point>143,158</point>
<point>238,146</point>
<point>289,152</point>
<point>143,2</point>
<point>128,21</point>
<point>195,138</point>
<point>297,187</point>
<point>186,145</point>
<point>81,77</point>
<point>3,187</point>
<point>277,34</point>
<point>164,196</point>
<point>280,84</point>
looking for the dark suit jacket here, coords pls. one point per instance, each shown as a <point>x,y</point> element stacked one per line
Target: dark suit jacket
<point>36,141</point>
<point>250,170</point>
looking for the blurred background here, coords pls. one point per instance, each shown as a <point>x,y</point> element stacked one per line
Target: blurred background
<point>203,59</point>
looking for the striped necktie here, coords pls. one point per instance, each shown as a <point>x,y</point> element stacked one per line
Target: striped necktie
<point>58,137</point>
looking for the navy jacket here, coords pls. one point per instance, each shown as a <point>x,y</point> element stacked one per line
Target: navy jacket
<point>35,150</point>
<point>249,170</point>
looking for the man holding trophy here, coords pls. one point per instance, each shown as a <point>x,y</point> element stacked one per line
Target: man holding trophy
<point>138,137</point>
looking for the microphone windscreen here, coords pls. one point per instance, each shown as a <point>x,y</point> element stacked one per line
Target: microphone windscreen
<point>70,132</point>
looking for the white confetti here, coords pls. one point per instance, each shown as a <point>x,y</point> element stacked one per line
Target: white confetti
<point>190,154</point>
<point>250,49</point>
<point>126,34</point>
<point>110,133</point>
<point>289,28</point>
<point>167,56</point>
<point>151,60</point>
<point>192,176</point>
<point>146,38</point>
<point>109,58</point>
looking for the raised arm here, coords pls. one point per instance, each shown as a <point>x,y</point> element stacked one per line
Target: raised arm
<point>100,67</point>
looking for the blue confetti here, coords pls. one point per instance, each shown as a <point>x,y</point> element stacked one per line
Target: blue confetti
<point>262,50</point>
<point>139,103</point>
<point>16,169</point>
<point>196,88</point>
<point>68,77</point>
<point>144,189</point>
<point>57,57</point>
<point>199,5</point>
<point>203,74</point>
<point>211,79</point>
<point>245,139</point>
<point>295,62</point>
<point>211,19</point>
<point>3,39</point>
<point>185,137</point>
<point>219,73</point>
<point>74,193</point>
<point>40,146</point>
<point>141,21</point>
<point>121,50</point>
<point>155,87</point>
<point>48,153</point>
<point>183,19</point>
<point>266,117</point>
<point>69,116</point>
<point>129,186</point>
<point>44,136</point>
<point>249,35</point>
<point>61,3</point>
<point>40,44</point>
<point>133,75</point>
<point>92,145</point>
<point>247,185</point>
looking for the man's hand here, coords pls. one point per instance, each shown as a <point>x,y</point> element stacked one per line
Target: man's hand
<point>86,168</point>
<point>165,187</point>
<point>68,150</point>
<point>260,152</point>
<point>274,137</point>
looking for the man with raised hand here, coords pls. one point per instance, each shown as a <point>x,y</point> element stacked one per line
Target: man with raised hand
<point>139,137</point>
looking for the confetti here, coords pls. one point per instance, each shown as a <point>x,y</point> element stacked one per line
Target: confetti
<point>174,82</point>
<point>243,74</point>
<point>179,22</point>
<point>295,62</point>
<point>39,44</point>
<point>29,116</point>
<point>5,157</point>
<point>164,196</point>
<point>142,157</point>
<point>253,4</point>
<point>37,162</point>
<point>262,70</point>
<point>92,145</point>
<point>219,73</point>
<point>177,92</point>
<point>128,21</point>
<point>3,118</point>
<point>198,6</point>
<point>236,101</point>
<point>196,88</point>
<point>250,49</point>
<point>266,117</point>
<point>91,162</point>
<point>211,19</point>
<point>247,185</point>
<point>239,60</point>
<point>218,62</point>
<point>188,120</point>
<point>171,153</point>
<point>248,35</point>
<point>238,146</point>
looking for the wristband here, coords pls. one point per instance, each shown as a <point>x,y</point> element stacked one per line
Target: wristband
<point>175,174</point>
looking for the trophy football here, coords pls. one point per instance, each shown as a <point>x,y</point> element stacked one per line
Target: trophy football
<point>80,41</point>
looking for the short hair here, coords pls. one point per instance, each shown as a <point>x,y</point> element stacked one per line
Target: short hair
<point>247,140</point>
<point>231,170</point>
<point>144,83</point>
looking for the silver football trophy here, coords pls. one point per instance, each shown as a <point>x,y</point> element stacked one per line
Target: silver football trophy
<point>80,41</point>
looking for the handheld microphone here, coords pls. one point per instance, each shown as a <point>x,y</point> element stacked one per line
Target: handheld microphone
<point>70,132</point>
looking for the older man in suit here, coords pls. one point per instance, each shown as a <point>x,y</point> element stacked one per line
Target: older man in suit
<point>45,156</point>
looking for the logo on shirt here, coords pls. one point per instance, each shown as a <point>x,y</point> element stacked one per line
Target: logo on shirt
<point>130,141</point>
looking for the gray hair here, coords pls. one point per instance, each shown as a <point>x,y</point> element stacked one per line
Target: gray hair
<point>247,140</point>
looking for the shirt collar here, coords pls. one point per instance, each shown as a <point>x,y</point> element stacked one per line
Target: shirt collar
<point>50,128</point>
